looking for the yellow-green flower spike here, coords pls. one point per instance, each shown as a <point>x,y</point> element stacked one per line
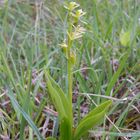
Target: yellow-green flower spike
<point>77,33</point>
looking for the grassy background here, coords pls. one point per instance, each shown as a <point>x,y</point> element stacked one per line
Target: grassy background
<point>30,34</point>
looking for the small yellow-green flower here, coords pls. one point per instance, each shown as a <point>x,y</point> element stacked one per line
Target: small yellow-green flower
<point>79,13</point>
<point>71,6</point>
<point>63,45</point>
<point>77,33</point>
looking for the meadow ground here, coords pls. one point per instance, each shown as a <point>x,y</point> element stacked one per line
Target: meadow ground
<point>107,67</point>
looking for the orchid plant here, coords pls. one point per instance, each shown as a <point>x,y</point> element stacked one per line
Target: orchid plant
<point>62,101</point>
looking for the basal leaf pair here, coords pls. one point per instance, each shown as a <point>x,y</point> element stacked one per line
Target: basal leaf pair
<point>60,101</point>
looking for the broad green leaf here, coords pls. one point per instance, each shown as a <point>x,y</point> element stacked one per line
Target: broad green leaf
<point>104,106</point>
<point>125,38</point>
<point>87,124</point>
<point>56,99</point>
<point>65,129</point>
<point>92,119</point>
<point>62,106</point>
<point>61,94</point>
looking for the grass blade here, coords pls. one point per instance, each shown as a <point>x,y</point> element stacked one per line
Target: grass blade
<point>24,114</point>
<point>117,74</point>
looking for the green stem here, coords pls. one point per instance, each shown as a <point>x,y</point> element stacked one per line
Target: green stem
<point>70,81</point>
<point>69,71</point>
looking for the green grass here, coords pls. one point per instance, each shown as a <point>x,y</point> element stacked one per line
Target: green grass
<point>30,35</point>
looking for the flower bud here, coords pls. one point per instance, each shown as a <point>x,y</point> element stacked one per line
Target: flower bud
<point>79,13</point>
<point>73,58</point>
<point>64,48</point>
